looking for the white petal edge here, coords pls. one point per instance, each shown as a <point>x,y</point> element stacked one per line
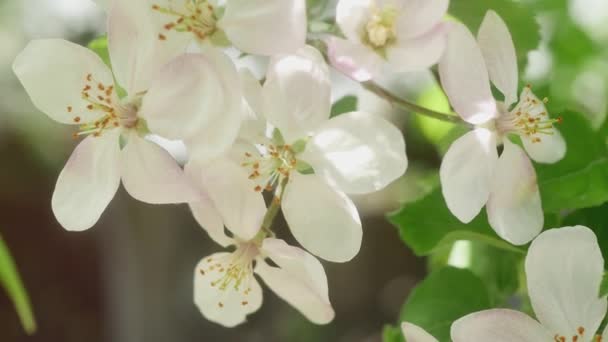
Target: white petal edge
<point>551,148</point>
<point>88,182</point>
<point>151,175</point>
<point>418,53</point>
<point>280,26</point>
<point>466,173</point>
<point>334,232</point>
<point>464,77</point>
<point>498,325</point>
<point>414,333</point>
<point>299,279</point>
<point>564,269</point>
<point>354,59</point>
<point>228,307</point>
<point>358,152</point>
<point>514,206</point>
<point>54,73</point>
<point>297,93</point>
<point>498,51</point>
<point>420,16</point>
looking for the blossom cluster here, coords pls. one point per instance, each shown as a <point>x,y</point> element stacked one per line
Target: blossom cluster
<point>171,77</point>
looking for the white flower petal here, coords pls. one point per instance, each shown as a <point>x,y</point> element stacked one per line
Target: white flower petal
<point>413,54</point>
<point>103,4</point>
<point>300,280</point>
<point>353,59</point>
<point>514,207</point>
<point>151,175</point>
<point>136,51</point>
<point>203,210</point>
<point>297,93</point>
<point>466,173</point>
<point>352,16</point>
<point>279,26</point>
<point>550,149</point>
<point>191,93</point>
<point>498,325</point>
<point>419,16</point>
<point>54,73</point>
<point>358,152</point>
<point>253,127</point>
<point>465,78</point>
<point>88,182</point>
<point>227,305</point>
<point>414,333</point>
<point>564,268</point>
<point>498,51</point>
<point>233,194</point>
<point>334,231</point>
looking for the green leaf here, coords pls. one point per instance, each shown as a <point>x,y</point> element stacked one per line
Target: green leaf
<point>392,334</point>
<point>595,219</point>
<point>344,105</point>
<point>443,297</point>
<point>428,224</point>
<point>580,180</point>
<point>9,278</point>
<point>520,20</point>
<point>499,270</point>
<point>100,47</point>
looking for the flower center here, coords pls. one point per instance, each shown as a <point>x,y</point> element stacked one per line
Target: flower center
<point>271,165</point>
<point>578,337</point>
<point>233,272</point>
<point>528,119</point>
<point>195,16</point>
<point>101,99</point>
<point>380,29</point>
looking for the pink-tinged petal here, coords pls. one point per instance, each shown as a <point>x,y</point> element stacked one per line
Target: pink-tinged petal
<point>564,269</point>
<point>352,16</point>
<point>498,51</point>
<point>136,52</point>
<point>354,60</point>
<point>334,232</point>
<point>514,207</point>
<point>225,303</point>
<point>297,93</point>
<point>193,93</point>
<point>88,182</point>
<point>280,26</point>
<point>357,152</point>
<point>498,325</point>
<point>466,173</point>
<point>464,77</point>
<point>151,175</point>
<point>419,16</point>
<point>233,194</point>
<point>299,279</point>
<point>414,333</point>
<point>413,54</point>
<point>203,210</point>
<point>550,149</point>
<point>54,73</point>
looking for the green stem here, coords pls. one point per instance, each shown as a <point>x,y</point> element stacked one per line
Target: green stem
<point>412,107</point>
<point>275,206</point>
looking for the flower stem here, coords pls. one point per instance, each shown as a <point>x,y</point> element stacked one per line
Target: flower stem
<point>414,108</point>
<point>275,206</point>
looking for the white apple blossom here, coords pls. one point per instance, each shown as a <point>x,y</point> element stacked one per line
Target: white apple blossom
<point>354,153</point>
<point>409,35</point>
<point>178,100</point>
<point>263,27</point>
<point>225,288</point>
<point>564,269</point>
<point>472,175</point>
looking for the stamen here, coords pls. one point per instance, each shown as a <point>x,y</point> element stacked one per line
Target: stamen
<point>196,17</point>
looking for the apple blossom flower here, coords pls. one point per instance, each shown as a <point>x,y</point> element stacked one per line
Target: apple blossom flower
<point>178,100</point>
<point>263,27</point>
<point>320,159</point>
<point>472,175</point>
<point>408,35</point>
<point>225,287</point>
<point>564,269</point>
